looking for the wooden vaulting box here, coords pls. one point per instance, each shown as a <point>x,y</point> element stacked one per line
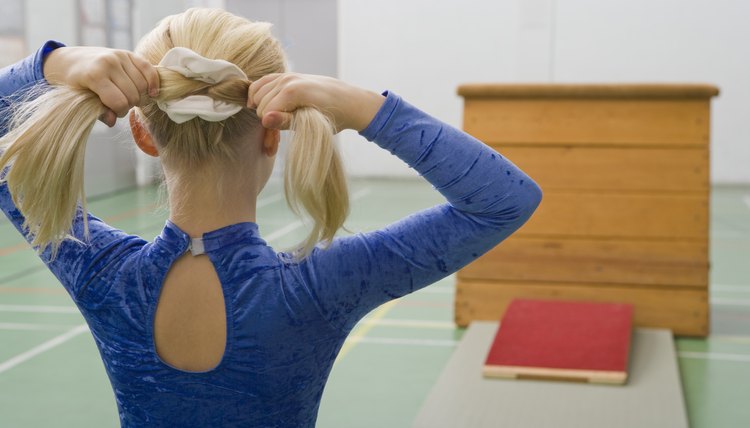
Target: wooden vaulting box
<point>625,175</point>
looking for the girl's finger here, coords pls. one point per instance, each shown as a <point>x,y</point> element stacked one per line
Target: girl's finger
<point>112,97</point>
<point>149,73</point>
<point>109,118</point>
<point>277,120</point>
<point>287,97</point>
<point>128,89</point>
<point>272,93</point>
<point>135,75</point>
<point>259,88</point>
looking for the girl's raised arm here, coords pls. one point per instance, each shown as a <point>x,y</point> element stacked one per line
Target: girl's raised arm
<point>41,149</point>
<point>488,198</point>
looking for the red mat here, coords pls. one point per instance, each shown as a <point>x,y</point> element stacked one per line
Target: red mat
<point>562,340</point>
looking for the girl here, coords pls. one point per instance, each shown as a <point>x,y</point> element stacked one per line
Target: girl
<point>207,325</point>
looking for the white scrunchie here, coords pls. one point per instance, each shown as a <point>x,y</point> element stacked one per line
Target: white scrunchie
<point>194,66</point>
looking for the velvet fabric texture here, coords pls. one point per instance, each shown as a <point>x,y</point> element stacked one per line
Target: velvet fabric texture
<point>286,319</point>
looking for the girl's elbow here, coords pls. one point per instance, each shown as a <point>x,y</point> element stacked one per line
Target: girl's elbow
<point>532,197</point>
<point>518,207</point>
<point>535,196</point>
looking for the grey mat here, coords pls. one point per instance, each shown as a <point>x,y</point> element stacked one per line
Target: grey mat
<point>462,398</point>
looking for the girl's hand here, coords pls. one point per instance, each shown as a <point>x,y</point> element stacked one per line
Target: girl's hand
<point>276,96</point>
<point>120,78</point>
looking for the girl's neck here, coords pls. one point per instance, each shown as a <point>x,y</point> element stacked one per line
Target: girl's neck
<point>200,207</point>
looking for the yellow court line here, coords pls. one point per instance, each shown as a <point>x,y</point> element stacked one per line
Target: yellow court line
<point>362,329</point>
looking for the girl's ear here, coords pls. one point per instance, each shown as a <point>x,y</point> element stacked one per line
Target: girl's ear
<point>142,137</point>
<point>271,138</point>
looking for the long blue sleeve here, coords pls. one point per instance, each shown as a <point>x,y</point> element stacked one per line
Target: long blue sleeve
<point>77,262</point>
<point>488,199</point>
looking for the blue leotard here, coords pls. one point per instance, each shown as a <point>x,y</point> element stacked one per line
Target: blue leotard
<point>286,320</point>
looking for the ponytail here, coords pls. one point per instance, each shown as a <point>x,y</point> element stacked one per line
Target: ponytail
<point>45,150</point>
<point>314,178</point>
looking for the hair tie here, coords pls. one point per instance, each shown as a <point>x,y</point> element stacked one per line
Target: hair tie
<point>194,66</point>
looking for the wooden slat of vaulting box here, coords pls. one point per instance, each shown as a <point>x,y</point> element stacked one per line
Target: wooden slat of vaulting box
<point>589,91</point>
<point>646,114</point>
<point>591,122</point>
<point>685,311</point>
<point>620,215</point>
<point>626,178</point>
<point>646,169</point>
<point>664,263</point>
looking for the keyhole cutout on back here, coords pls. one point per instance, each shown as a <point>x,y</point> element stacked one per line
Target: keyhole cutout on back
<point>190,325</point>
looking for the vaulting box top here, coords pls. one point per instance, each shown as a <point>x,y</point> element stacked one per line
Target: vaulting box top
<point>601,91</point>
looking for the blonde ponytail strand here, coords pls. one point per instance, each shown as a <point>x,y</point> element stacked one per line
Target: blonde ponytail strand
<point>45,151</point>
<point>314,179</point>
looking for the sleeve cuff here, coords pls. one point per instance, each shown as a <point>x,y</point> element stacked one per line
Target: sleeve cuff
<point>41,54</point>
<point>382,116</point>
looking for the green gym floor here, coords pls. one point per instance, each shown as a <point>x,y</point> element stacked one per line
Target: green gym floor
<point>51,374</point>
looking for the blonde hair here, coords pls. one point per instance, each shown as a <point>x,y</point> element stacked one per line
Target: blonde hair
<point>46,144</point>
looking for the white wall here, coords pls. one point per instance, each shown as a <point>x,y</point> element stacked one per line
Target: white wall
<point>663,41</point>
<point>50,20</point>
<point>424,49</point>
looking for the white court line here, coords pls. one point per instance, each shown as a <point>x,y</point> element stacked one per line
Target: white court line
<point>391,341</point>
<point>386,322</point>
<point>46,346</point>
<point>722,301</point>
<point>746,199</point>
<point>37,327</point>
<point>269,200</point>
<point>714,356</point>
<point>393,322</point>
<point>437,290</point>
<point>42,309</point>
<point>730,288</point>
<point>361,193</point>
<point>729,338</point>
<point>291,227</point>
<point>407,342</point>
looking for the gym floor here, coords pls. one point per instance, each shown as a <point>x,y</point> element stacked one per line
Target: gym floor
<point>51,374</point>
